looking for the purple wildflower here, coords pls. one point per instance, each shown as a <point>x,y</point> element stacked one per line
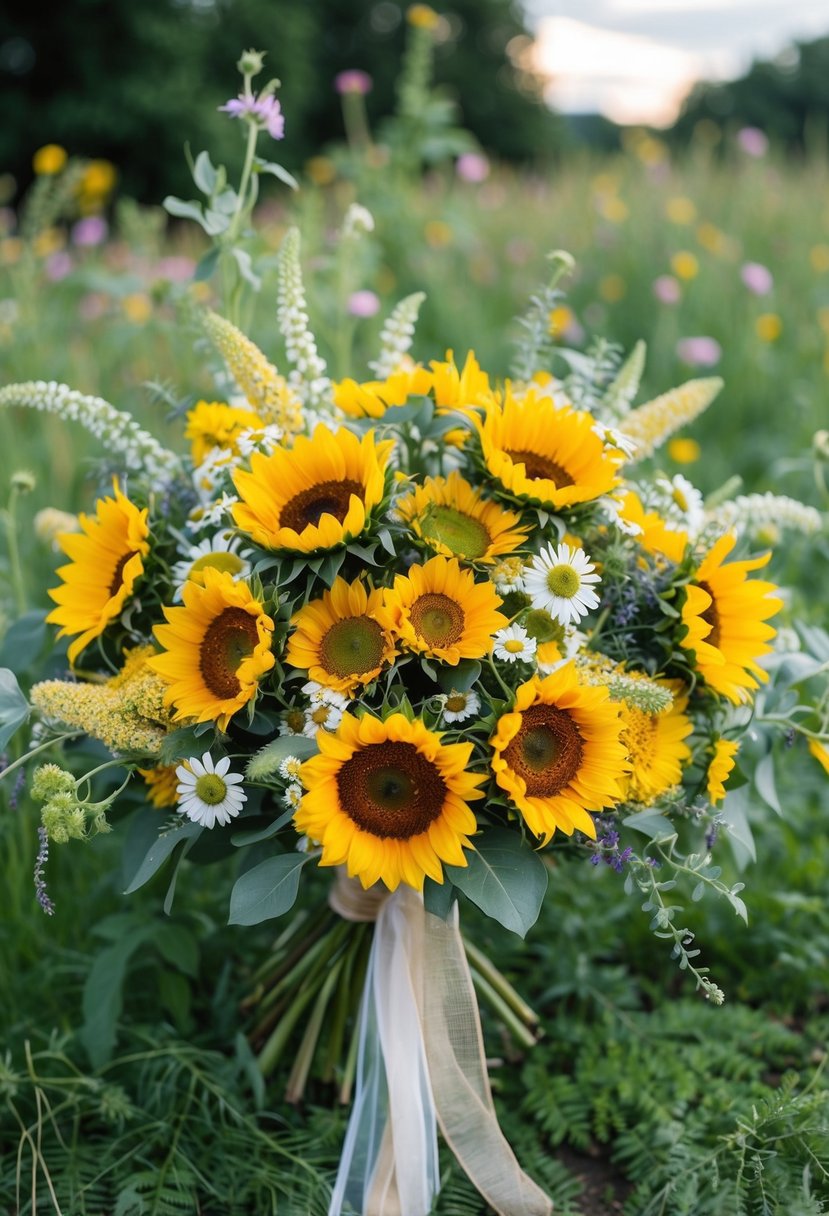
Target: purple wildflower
<point>699,351</point>
<point>363,304</point>
<point>472,167</point>
<point>353,80</point>
<point>757,278</point>
<point>17,789</point>
<point>667,289</point>
<point>40,882</point>
<point>92,230</point>
<point>753,141</point>
<point>265,110</point>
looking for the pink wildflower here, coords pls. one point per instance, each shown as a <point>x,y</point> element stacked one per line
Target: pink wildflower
<point>666,289</point>
<point>699,351</point>
<point>757,278</point>
<point>363,304</point>
<point>353,80</point>
<point>264,110</point>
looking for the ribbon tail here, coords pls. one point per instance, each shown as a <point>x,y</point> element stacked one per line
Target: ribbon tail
<point>460,1086</point>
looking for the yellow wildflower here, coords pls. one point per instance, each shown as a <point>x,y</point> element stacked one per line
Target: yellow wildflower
<point>684,451</point>
<point>651,424</point>
<point>49,160</point>
<point>265,389</point>
<point>768,326</point>
<point>685,265</point>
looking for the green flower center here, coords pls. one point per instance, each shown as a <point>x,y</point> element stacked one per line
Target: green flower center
<point>211,789</point>
<point>437,619</point>
<point>563,581</point>
<point>460,533</point>
<point>541,626</point>
<point>352,647</point>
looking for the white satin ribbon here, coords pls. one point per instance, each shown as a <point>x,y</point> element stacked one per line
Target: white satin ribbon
<point>421,1062</point>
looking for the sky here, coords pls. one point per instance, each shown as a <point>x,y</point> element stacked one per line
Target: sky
<point>635,60</point>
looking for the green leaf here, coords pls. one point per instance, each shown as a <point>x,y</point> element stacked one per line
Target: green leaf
<point>23,641</point>
<point>204,175</point>
<point>14,708</point>
<point>245,263</point>
<point>459,678</point>
<point>177,946</point>
<point>269,889</point>
<point>651,823</point>
<point>214,222</point>
<point>103,992</point>
<point>764,780</point>
<point>242,839</point>
<point>182,744</point>
<point>270,166</point>
<point>505,878</point>
<point>159,851</point>
<point>438,897</point>
<point>740,836</point>
<point>206,265</point>
<point>183,210</point>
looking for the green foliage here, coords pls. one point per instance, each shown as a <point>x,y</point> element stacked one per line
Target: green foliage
<point>504,879</point>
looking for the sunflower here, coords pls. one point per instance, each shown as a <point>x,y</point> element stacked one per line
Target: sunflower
<point>656,749</point>
<point>439,610</point>
<point>162,785</point>
<point>558,753</point>
<point>545,454</point>
<point>389,800</point>
<point>719,770</point>
<point>459,390</point>
<point>318,495</point>
<point>338,640</point>
<point>106,561</point>
<point>725,615</point>
<point>372,398</point>
<point>654,534</point>
<point>455,520</point>
<point>217,647</point>
<point>214,424</point>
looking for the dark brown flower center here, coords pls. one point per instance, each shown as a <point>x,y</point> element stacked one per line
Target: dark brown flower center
<point>711,617</point>
<point>391,790</point>
<point>437,619</point>
<point>352,647</point>
<point>547,750</point>
<point>117,574</point>
<point>228,640</point>
<point>325,498</point>
<point>540,467</point>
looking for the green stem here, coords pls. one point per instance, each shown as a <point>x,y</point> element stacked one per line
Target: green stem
<point>15,567</point>
<point>517,1028</point>
<point>305,1055</point>
<point>71,734</point>
<point>500,983</point>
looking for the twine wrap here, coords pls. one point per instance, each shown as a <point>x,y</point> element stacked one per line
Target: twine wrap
<point>420,1064</point>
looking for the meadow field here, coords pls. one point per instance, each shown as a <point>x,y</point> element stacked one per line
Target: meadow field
<point>640,1097</point>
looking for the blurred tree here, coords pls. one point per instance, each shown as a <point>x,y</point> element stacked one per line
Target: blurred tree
<point>131,81</point>
<point>787,97</point>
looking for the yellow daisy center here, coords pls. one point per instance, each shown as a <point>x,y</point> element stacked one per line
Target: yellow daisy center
<point>228,640</point>
<point>210,789</point>
<point>540,468</point>
<point>712,618</point>
<point>391,790</point>
<point>437,619</point>
<point>352,646</point>
<point>230,563</point>
<point>547,750</point>
<point>459,532</point>
<point>514,645</point>
<point>326,498</point>
<point>563,581</point>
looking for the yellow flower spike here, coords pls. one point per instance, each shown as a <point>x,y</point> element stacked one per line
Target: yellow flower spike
<point>651,424</point>
<point>267,391</point>
<point>106,561</point>
<point>317,496</point>
<point>725,615</point>
<point>558,753</point>
<point>389,800</point>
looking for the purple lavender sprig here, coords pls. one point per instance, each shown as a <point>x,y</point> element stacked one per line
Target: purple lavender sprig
<point>40,882</point>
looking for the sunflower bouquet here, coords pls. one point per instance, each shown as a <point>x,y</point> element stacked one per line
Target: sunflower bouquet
<point>434,633</point>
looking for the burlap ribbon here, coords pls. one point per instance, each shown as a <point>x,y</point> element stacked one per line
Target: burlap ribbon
<point>420,1064</point>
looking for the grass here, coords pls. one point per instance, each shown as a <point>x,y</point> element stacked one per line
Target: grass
<point>690,1109</point>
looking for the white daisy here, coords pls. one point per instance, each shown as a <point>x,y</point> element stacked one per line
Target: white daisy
<point>222,551</point>
<point>292,796</point>
<point>260,439</point>
<point>318,695</point>
<point>322,716</point>
<point>212,515</point>
<point>207,793</point>
<point>513,643</point>
<point>460,705</point>
<point>292,722</point>
<point>681,503</point>
<point>289,768</point>
<point>616,439</point>
<point>559,582</point>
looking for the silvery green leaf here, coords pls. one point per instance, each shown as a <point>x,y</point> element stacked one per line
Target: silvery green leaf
<point>505,878</point>
<point>269,889</point>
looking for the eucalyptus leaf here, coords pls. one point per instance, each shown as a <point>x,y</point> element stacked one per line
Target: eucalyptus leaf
<point>206,265</point>
<point>269,166</point>
<point>14,708</point>
<point>24,641</point>
<point>182,209</point>
<point>651,823</point>
<point>765,783</point>
<point>438,897</point>
<point>269,889</point>
<point>242,839</point>
<point>204,175</point>
<point>159,851</point>
<point>459,678</point>
<point>504,878</point>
